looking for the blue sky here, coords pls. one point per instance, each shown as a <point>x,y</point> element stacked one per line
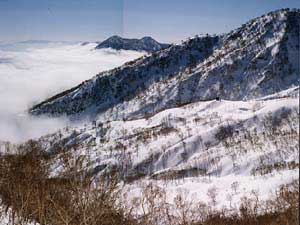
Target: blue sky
<point>165,20</point>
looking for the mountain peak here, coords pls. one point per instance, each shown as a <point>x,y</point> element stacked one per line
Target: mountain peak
<point>147,44</point>
<point>146,38</point>
<point>114,37</point>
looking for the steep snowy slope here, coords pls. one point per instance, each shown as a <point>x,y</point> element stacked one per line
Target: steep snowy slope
<point>257,59</point>
<point>147,44</point>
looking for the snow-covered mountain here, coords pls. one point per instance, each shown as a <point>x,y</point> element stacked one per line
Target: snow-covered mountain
<point>157,120</point>
<point>146,44</point>
<point>258,59</point>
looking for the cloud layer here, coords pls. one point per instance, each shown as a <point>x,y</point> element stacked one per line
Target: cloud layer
<point>32,73</point>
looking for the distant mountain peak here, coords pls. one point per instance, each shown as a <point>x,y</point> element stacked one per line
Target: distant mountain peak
<point>147,38</point>
<point>114,37</point>
<point>147,44</point>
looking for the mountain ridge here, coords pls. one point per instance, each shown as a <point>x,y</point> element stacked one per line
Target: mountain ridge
<point>257,59</point>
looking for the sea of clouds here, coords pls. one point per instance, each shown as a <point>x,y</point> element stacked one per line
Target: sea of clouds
<point>31,72</point>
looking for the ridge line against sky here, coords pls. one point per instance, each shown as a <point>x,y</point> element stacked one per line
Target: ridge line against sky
<point>95,20</point>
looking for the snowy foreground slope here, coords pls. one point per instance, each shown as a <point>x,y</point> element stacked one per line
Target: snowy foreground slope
<point>196,147</point>
<point>233,148</point>
<point>258,59</point>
